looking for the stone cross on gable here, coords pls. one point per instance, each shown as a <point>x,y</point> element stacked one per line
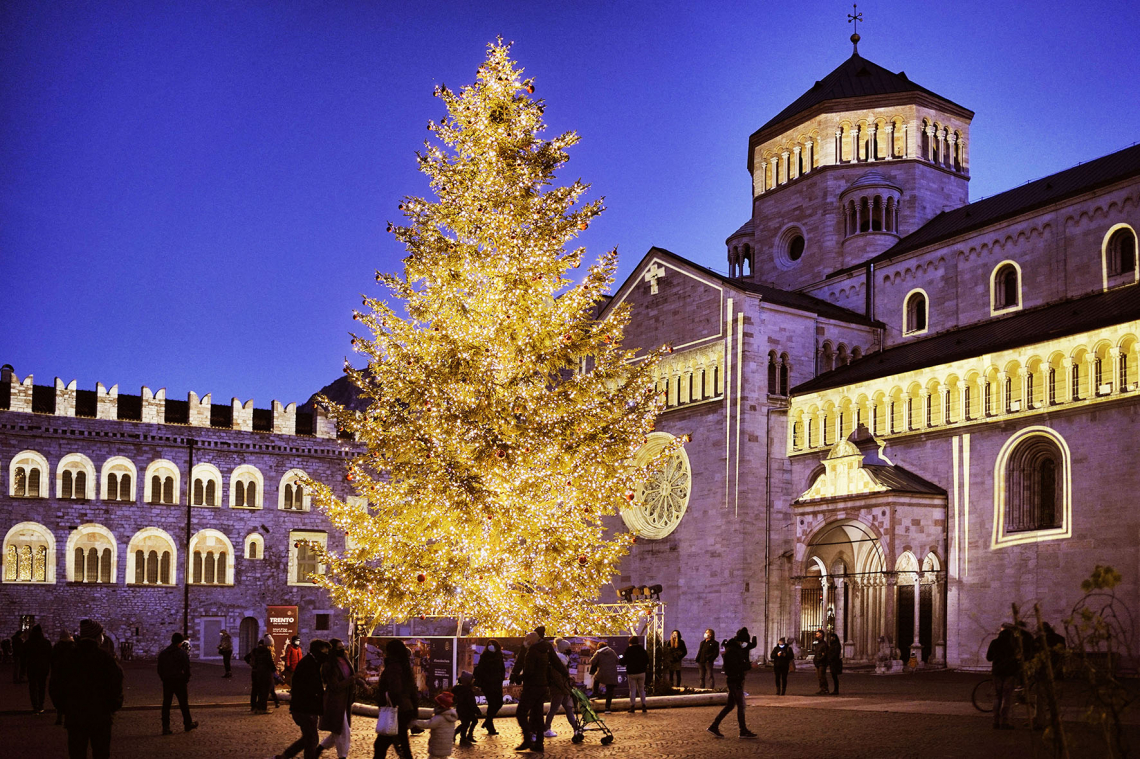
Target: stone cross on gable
<point>652,274</point>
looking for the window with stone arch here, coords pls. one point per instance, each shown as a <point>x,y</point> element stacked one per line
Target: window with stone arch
<point>915,312</point>
<point>1118,256</point>
<point>247,487</point>
<point>161,483</point>
<point>211,559</point>
<point>206,485</point>
<point>292,495</point>
<point>1032,488</point>
<point>75,478</point>
<point>1005,287</point>
<point>27,475</point>
<point>29,554</point>
<point>254,546</point>
<point>118,478</point>
<point>92,555</point>
<point>303,560</point>
<point>151,558</point>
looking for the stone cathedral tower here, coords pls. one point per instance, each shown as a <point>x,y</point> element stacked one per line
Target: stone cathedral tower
<point>872,157</point>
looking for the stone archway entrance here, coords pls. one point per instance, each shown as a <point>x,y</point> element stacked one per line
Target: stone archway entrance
<point>248,634</point>
<point>844,587</point>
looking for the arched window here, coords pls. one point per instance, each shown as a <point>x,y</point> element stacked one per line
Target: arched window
<point>773,381</point>
<point>827,357</point>
<point>150,557</point>
<point>1006,287</point>
<point>25,473</point>
<point>302,558</point>
<point>207,484</point>
<point>1120,255</point>
<point>212,558</point>
<point>73,473</point>
<point>785,370</point>
<point>246,486</point>
<point>864,215</point>
<point>162,482</point>
<point>295,497</point>
<point>118,477</point>
<point>29,554</point>
<point>94,554</point>
<point>1033,487</point>
<point>254,546</point>
<point>914,319</point>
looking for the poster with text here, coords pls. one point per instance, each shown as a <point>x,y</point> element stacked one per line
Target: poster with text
<point>433,662</point>
<point>282,623</point>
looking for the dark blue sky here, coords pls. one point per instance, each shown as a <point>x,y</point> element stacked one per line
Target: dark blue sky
<point>193,195</point>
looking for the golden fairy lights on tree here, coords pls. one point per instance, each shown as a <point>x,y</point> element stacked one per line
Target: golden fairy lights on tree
<point>503,415</point>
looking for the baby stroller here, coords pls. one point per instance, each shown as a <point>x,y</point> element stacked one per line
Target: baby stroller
<point>587,717</point>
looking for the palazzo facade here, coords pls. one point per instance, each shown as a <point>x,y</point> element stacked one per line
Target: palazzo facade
<point>143,512</point>
<point>907,411</point>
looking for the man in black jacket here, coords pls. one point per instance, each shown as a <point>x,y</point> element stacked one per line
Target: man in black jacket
<point>636,661</point>
<point>820,652</point>
<point>174,671</point>
<point>307,700</point>
<point>531,671</point>
<point>736,666</point>
<point>1005,667</point>
<point>92,690</point>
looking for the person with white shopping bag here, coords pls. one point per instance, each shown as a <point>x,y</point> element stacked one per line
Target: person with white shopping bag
<point>307,703</point>
<point>397,695</point>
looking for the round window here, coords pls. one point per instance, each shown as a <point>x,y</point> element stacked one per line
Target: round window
<point>796,248</point>
<point>661,501</point>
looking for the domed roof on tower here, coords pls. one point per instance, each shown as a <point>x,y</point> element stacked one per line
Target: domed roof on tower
<point>872,178</point>
<point>857,77</point>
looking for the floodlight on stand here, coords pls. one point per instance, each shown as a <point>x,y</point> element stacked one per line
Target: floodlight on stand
<point>654,592</point>
<point>626,593</point>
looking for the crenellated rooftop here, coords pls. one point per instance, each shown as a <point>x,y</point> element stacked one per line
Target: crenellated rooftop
<point>153,407</point>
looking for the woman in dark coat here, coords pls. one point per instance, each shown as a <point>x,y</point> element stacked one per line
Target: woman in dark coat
<point>261,665</point>
<point>489,675</point>
<point>340,687</point>
<point>835,660</point>
<point>397,687</point>
<point>59,653</point>
<point>37,652</point>
<point>675,653</point>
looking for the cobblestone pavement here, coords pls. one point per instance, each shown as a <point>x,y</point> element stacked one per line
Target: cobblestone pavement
<point>915,716</point>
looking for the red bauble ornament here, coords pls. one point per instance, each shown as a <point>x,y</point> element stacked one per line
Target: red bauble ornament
<point>500,453</point>
<point>530,89</point>
<point>389,226</point>
<point>350,477</point>
<point>421,577</point>
<point>582,226</point>
<point>629,496</point>
<point>582,560</point>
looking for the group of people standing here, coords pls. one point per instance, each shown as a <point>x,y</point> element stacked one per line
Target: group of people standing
<point>323,687</point>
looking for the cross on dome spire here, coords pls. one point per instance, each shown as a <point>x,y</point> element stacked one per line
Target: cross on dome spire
<point>854,18</point>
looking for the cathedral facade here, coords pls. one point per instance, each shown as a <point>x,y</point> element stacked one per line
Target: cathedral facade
<point>907,411</point>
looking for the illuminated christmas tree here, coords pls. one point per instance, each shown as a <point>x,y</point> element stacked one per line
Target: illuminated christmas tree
<point>503,415</point>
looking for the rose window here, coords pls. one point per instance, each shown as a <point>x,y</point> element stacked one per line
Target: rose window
<point>660,502</point>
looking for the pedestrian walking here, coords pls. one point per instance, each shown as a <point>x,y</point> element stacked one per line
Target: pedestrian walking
<point>291,657</point>
<point>226,651</point>
<point>260,661</point>
<point>340,693</point>
<point>442,727</point>
<point>307,701</point>
<point>835,660</point>
<point>466,707</point>
<point>37,654</point>
<point>736,665</point>
<point>397,687</point>
<point>174,671</point>
<point>707,654</point>
<point>819,657</point>
<point>636,661</point>
<point>1004,666</point>
<point>59,653</point>
<point>675,653</point>
<point>92,691</point>
<point>532,671</point>
<point>604,666</point>
<point>19,665</point>
<point>489,674</point>
<point>274,674</point>
<point>561,697</point>
<point>781,664</point>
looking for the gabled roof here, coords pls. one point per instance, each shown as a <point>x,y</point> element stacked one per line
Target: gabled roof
<point>1068,317</point>
<point>1054,188</point>
<point>855,77</point>
<point>901,480</point>
<point>795,300</point>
